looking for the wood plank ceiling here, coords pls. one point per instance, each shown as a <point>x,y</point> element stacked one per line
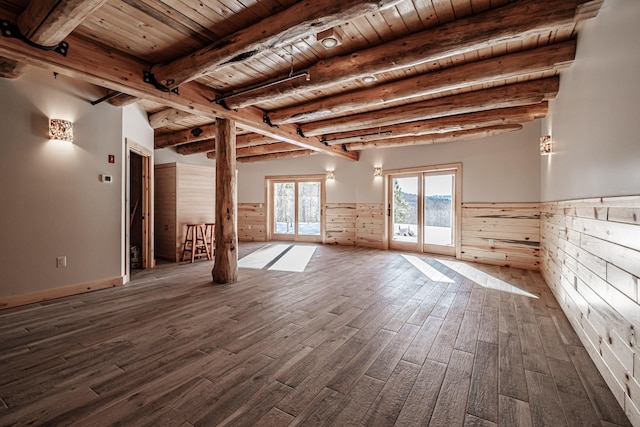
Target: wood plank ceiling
<point>404,72</point>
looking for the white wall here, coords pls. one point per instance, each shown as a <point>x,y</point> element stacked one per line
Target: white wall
<point>135,126</point>
<point>53,203</point>
<point>169,155</point>
<point>595,121</point>
<point>504,168</point>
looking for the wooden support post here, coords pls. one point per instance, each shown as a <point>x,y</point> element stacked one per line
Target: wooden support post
<point>225,267</point>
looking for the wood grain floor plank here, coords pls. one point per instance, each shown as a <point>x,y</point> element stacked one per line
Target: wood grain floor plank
<point>420,403</point>
<point>451,406</point>
<point>473,421</point>
<point>546,410</point>
<point>468,333</point>
<point>514,412</point>
<point>533,355</point>
<point>489,325</point>
<point>419,348</point>
<point>511,377</point>
<point>573,396</point>
<point>349,341</point>
<point>389,402</point>
<point>483,394</point>
<point>603,402</point>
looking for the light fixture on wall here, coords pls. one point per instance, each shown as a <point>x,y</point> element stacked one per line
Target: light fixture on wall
<point>60,130</point>
<point>377,172</point>
<point>368,79</point>
<point>329,38</point>
<point>545,144</point>
<point>331,175</point>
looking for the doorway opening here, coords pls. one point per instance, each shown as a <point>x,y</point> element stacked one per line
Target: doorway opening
<point>139,253</point>
<point>295,209</point>
<point>424,209</point>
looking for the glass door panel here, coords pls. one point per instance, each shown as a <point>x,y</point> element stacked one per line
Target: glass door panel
<point>438,209</point>
<point>404,209</point>
<point>296,209</point>
<point>284,208</point>
<point>309,208</point>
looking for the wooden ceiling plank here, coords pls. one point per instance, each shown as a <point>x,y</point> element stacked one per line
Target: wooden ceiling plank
<point>111,69</point>
<point>515,21</point>
<point>498,117</point>
<point>554,57</point>
<point>282,29</point>
<point>532,92</point>
<point>462,135</point>
<point>47,23</point>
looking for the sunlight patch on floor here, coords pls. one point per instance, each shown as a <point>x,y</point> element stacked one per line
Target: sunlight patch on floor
<point>262,257</point>
<point>484,279</point>
<point>433,274</point>
<point>279,257</point>
<point>296,259</point>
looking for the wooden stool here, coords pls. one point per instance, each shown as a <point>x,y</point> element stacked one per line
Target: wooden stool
<point>195,242</point>
<point>209,233</point>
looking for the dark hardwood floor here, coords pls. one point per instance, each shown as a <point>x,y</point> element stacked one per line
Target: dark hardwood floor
<point>362,337</point>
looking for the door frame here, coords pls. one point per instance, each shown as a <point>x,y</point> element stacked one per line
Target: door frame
<point>269,217</point>
<point>148,257</point>
<point>456,169</point>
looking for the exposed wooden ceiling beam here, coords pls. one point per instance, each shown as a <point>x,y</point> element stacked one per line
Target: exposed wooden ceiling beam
<point>299,21</point>
<point>531,92</point>
<point>109,68</point>
<point>242,141</point>
<point>277,156</point>
<point>513,22</point>
<point>167,117</point>
<point>47,23</point>
<point>279,147</point>
<point>459,135</point>
<point>198,133</point>
<point>502,116</point>
<point>123,99</point>
<point>543,59</point>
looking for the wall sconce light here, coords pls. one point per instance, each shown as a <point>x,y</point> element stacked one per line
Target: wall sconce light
<point>331,175</point>
<point>328,38</point>
<point>545,145</point>
<point>60,130</point>
<point>377,172</point>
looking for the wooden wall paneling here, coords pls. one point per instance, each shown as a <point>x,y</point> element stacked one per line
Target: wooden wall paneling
<point>370,225</point>
<point>252,222</point>
<point>590,258</point>
<point>185,194</point>
<point>501,234</point>
<point>195,198</point>
<point>340,223</point>
<point>165,211</point>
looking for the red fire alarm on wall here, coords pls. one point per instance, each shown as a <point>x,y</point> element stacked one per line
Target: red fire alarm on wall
<point>112,158</point>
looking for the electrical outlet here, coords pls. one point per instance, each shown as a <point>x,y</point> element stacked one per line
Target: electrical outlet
<point>491,242</point>
<point>249,226</point>
<point>61,262</point>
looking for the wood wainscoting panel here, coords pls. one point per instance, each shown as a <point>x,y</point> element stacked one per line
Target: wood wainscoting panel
<point>590,258</point>
<point>370,225</point>
<point>506,234</point>
<point>184,194</point>
<point>340,223</point>
<point>252,222</point>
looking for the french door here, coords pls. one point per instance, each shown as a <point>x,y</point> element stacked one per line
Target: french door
<point>296,209</point>
<point>423,210</point>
